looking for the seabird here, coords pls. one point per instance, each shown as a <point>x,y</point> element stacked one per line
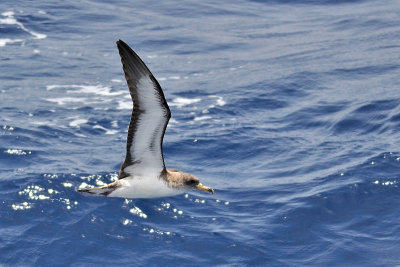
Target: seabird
<point>143,173</point>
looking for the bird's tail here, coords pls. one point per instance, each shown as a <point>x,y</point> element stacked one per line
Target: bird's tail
<point>101,190</point>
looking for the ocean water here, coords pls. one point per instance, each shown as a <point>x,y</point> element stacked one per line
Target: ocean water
<point>291,111</point>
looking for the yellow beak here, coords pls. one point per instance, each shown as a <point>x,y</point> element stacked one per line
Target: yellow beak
<point>204,188</point>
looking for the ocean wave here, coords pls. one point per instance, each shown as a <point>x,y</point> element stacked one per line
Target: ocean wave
<point>9,19</point>
<point>85,89</point>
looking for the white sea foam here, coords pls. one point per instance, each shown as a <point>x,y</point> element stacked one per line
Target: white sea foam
<point>169,78</point>
<point>18,152</point>
<point>172,121</point>
<point>74,95</point>
<point>219,100</point>
<point>65,100</point>
<point>108,131</point>
<point>94,89</point>
<point>5,41</point>
<point>124,104</point>
<point>181,101</point>
<point>86,89</point>
<point>11,20</point>
<point>8,128</point>
<point>202,118</point>
<point>80,135</point>
<point>77,122</point>
<point>43,123</point>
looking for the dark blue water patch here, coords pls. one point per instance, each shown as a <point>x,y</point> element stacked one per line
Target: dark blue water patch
<point>118,236</point>
<point>204,10</point>
<point>292,58</point>
<point>96,18</point>
<point>308,2</point>
<point>358,72</point>
<point>341,211</point>
<point>15,181</point>
<point>378,106</point>
<point>161,28</point>
<point>317,116</point>
<point>276,34</point>
<point>389,46</point>
<point>368,118</point>
<point>376,24</point>
<point>262,101</point>
<point>22,137</point>
<point>11,77</point>
<point>381,166</point>
<point>343,24</point>
<point>31,20</point>
<point>355,126</point>
<point>63,28</point>
<point>50,132</point>
<point>324,108</point>
<point>298,84</point>
<point>193,93</point>
<point>12,31</point>
<point>395,118</point>
<point>158,44</point>
<point>12,158</point>
<point>360,25</point>
<point>260,150</point>
<point>225,47</point>
<point>283,89</point>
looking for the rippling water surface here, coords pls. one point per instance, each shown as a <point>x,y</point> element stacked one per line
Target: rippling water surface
<point>290,111</point>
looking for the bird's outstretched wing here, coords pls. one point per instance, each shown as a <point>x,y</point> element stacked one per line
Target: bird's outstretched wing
<point>150,116</point>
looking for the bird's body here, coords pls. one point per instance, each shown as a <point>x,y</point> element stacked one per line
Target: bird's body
<point>143,173</point>
<point>149,186</point>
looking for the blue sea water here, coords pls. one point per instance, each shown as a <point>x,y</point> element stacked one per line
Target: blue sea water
<point>289,109</point>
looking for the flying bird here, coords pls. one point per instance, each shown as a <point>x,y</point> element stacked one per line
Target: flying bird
<point>143,173</point>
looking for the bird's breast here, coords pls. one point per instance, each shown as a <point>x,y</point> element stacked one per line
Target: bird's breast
<point>144,187</point>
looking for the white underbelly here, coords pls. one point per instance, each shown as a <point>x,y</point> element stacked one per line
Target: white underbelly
<point>144,188</point>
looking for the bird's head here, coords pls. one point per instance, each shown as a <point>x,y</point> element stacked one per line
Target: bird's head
<point>192,182</point>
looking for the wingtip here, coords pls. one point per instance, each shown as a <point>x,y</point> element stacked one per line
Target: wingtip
<point>121,43</point>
